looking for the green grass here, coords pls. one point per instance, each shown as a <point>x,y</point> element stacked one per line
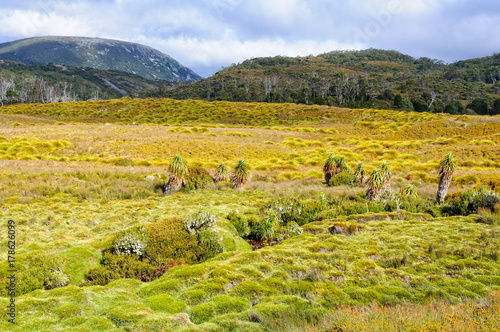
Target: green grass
<point>391,262</point>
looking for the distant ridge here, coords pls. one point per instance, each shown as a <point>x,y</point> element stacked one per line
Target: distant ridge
<point>98,53</point>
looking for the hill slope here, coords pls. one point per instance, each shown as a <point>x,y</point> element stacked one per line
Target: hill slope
<point>368,78</point>
<point>48,83</point>
<point>98,53</point>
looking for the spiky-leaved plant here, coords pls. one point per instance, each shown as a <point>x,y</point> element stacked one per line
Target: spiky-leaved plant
<point>385,171</point>
<point>241,175</point>
<point>359,173</point>
<point>446,169</point>
<point>409,191</point>
<point>178,171</point>
<point>341,165</point>
<point>329,167</point>
<point>375,184</point>
<point>221,173</point>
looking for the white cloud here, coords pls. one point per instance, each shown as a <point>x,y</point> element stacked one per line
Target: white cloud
<point>205,56</point>
<point>28,23</point>
<point>209,34</point>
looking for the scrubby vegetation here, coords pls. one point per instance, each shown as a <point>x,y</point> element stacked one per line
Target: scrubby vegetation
<point>368,78</point>
<point>100,247</point>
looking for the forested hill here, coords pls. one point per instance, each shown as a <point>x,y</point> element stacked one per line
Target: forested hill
<point>98,53</point>
<point>22,83</point>
<point>370,78</point>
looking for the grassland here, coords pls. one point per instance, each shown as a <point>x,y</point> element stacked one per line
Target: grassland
<point>75,174</point>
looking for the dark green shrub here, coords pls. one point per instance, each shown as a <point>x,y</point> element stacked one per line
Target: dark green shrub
<point>168,240</point>
<point>43,271</point>
<point>263,230</point>
<point>100,275</point>
<point>342,179</point>
<point>209,244</point>
<point>120,266</point>
<point>241,224</point>
<point>291,209</point>
<point>352,207</point>
<point>198,178</point>
<point>168,244</point>
<point>416,204</point>
<point>470,201</point>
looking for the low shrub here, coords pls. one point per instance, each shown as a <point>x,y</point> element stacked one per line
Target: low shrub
<point>168,244</point>
<point>263,230</point>
<point>168,239</point>
<point>120,266</point>
<point>343,178</point>
<point>199,221</point>
<point>470,201</point>
<point>209,244</point>
<point>241,224</point>
<point>42,271</point>
<point>100,275</point>
<point>198,178</point>
<point>131,241</point>
<point>291,209</point>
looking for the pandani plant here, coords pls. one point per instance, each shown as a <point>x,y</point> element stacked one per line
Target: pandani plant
<point>341,165</point>
<point>409,191</point>
<point>178,171</point>
<point>386,175</point>
<point>359,173</point>
<point>329,167</point>
<point>221,173</point>
<point>446,169</point>
<point>375,184</point>
<point>241,175</point>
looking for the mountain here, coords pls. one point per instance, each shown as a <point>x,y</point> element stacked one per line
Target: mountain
<point>104,54</point>
<point>359,79</point>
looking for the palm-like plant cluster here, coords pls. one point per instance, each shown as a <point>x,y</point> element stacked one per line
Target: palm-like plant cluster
<point>446,169</point>
<point>241,174</point>
<point>178,171</point>
<point>359,173</point>
<point>221,173</point>
<point>376,182</point>
<point>334,165</point>
<point>386,175</point>
<point>409,191</point>
<point>329,167</point>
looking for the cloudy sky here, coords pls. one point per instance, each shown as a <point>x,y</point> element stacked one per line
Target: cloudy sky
<point>206,35</point>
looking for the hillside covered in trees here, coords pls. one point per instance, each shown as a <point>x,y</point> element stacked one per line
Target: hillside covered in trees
<point>370,78</point>
<point>22,83</point>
